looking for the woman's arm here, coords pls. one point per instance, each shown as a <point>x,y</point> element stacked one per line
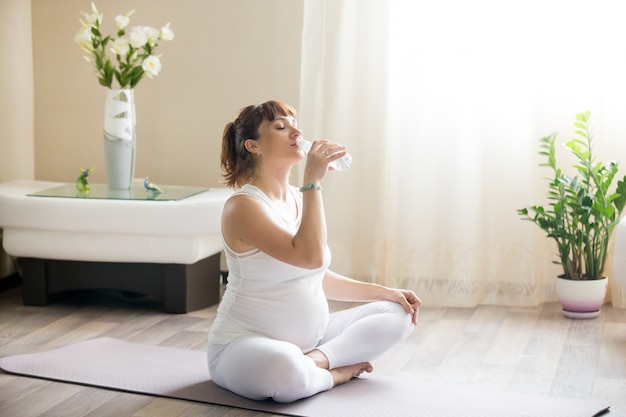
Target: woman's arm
<point>248,223</point>
<point>341,288</point>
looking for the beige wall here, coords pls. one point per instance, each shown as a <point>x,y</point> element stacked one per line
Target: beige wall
<point>226,55</point>
<point>16,91</point>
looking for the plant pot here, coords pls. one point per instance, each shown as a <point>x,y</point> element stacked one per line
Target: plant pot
<point>581,299</point>
<point>119,138</point>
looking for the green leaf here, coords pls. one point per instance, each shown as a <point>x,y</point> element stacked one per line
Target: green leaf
<point>620,201</point>
<point>583,117</point>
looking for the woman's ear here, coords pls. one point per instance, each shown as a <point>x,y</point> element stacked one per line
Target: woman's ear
<point>252,146</point>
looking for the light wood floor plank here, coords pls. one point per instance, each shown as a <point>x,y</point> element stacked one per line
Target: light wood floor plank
<point>464,359</point>
<point>430,352</point>
<point>187,340</point>
<point>510,342</point>
<point>48,396</point>
<point>612,360</point>
<point>82,403</point>
<point>163,407</point>
<point>121,404</point>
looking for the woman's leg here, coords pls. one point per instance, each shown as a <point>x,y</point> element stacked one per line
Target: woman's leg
<point>259,368</point>
<point>363,333</point>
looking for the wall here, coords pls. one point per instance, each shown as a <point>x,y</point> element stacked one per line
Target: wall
<point>226,55</point>
<point>16,99</point>
<point>16,85</point>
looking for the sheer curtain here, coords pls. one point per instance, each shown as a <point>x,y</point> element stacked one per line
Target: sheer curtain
<point>441,105</point>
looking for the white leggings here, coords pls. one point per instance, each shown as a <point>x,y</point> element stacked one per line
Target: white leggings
<point>258,367</point>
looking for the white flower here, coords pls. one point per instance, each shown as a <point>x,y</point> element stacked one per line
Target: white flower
<point>152,34</point>
<point>84,39</point>
<point>166,33</point>
<point>137,37</point>
<point>152,66</point>
<point>93,19</point>
<point>123,20</point>
<point>120,47</point>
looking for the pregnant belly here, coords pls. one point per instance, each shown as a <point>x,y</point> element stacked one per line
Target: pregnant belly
<point>302,324</point>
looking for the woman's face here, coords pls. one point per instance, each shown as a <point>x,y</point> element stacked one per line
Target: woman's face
<point>277,139</point>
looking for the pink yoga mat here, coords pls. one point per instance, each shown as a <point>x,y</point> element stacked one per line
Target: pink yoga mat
<point>182,374</point>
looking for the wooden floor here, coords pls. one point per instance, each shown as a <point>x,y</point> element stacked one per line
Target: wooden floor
<point>530,350</point>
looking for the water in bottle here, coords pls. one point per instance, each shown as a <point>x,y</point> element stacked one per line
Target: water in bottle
<point>341,164</point>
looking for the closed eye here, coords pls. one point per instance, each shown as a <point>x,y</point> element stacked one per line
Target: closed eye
<point>292,121</point>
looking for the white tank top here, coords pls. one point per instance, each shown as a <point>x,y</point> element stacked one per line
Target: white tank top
<point>271,298</point>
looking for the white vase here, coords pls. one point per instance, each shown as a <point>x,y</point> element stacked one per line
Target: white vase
<point>581,299</point>
<point>119,138</point>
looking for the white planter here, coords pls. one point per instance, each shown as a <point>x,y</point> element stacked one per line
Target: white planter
<point>581,299</point>
<point>119,138</point>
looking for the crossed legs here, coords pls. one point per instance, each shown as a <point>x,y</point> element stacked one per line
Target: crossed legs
<point>257,367</point>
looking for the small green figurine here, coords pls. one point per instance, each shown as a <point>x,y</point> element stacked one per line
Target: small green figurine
<point>150,186</point>
<point>82,183</point>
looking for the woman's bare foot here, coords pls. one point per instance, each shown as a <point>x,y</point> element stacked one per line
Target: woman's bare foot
<point>343,374</point>
<point>346,373</point>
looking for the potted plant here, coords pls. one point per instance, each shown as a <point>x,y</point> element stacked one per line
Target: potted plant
<point>581,215</point>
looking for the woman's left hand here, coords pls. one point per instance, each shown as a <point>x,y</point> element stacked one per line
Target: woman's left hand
<point>406,299</point>
<point>341,288</point>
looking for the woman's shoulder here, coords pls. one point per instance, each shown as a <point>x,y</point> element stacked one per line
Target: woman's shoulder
<point>250,199</point>
<point>250,191</point>
<point>245,197</point>
<point>247,189</point>
<point>249,204</point>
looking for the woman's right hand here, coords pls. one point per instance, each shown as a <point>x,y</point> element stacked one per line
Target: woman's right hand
<point>321,154</point>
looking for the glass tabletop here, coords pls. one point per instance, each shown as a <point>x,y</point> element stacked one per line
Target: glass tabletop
<point>136,192</point>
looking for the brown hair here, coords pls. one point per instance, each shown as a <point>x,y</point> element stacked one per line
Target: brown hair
<point>237,163</point>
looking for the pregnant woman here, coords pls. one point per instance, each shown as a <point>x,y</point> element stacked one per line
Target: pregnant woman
<point>273,336</point>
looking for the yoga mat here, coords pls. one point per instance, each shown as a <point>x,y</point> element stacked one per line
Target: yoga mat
<point>182,374</point>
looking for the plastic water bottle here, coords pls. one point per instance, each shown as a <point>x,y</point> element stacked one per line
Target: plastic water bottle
<point>341,164</point>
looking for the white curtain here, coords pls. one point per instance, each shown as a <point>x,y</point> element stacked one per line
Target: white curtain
<point>442,104</point>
